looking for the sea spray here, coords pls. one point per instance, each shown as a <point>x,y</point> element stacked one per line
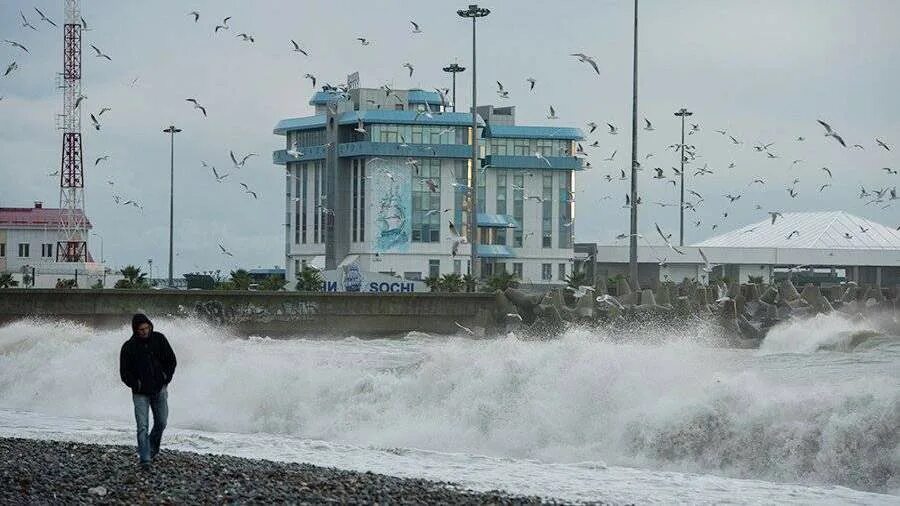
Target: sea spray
<point>673,404</point>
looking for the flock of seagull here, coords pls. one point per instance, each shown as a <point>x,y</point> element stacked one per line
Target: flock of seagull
<point>883,196</point>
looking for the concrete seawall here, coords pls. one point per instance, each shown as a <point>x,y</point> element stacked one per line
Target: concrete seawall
<point>263,313</point>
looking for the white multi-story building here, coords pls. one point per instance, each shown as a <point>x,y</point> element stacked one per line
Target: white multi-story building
<point>402,180</point>
<point>28,239</point>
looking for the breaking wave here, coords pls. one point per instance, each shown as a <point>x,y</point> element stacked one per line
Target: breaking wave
<point>776,414</point>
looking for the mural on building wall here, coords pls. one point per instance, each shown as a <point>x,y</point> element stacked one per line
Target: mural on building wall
<point>392,196</point>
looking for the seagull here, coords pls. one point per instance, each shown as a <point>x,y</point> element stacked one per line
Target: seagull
<point>792,234</point>
<point>225,251</point>
<point>735,140</point>
<point>101,159</point>
<point>311,78</point>
<point>219,177</point>
<point>862,229</point>
<point>612,129</point>
<point>707,268</point>
<point>647,125</point>
<point>666,238</point>
<point>12,66</point>
<point>847,235</point>
<point>877,140</point>
<point>826,185</point>
<point>248,191</point>
<point>552,114</point>
<point>613,155</point>
<point>831,133</point>
<point>415,27</point>
<point>592,125</point>
<point>456,240</point>
<point>44,18</point>
<point>103,110</point>
<point>79,99</point>
<point>364,41</point>
<point>95,122</point>
<point>795,162</point>
<point>16,45</point>
<point>758,180</point>
<point>466,329</point>
<point>659,173</point>
<point>100,53</point>
<point>540,156</point>
<point>827,171</point>
<point>25,23</point>
<point>793,193</point>
<point>246,37</point>
<point>410,67</point>
<point>775,215</point>
<point>889,171</point>
<point>583,58</point>
<point>197,105</point>
<point>732,198</point>
<point>195,14</point>
<point>298,49</point>
<point>295,150</point>
<point>531,82</point>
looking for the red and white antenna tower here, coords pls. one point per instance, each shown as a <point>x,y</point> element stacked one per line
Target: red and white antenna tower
<point>72,243</point>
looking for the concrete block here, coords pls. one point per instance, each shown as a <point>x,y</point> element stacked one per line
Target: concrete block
<point>788,290</point>
<point>770,295</point>
<point>647,298</point>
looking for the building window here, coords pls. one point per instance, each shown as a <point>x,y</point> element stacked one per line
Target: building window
<point>354,195</point>
<point>518,193</point>
<point>2,249</point>
<point>398,107</point>
<point>501,193</point>
<point>546,272</point>
<point>520,147</point>
<point>362,200</point>
<point>426,204</point>
<point>517,269</point>
<point>47,250</point>
<point>23,250</point>
<point>412,275</point>
<point>565,209</point>
<point>487,268</point>
<point>547,212</point>
<point>460,173</point>
<point>500,268</point>
<point>562,272</point>
<point>318,187</point>
<point>434,268</point>
<point>457,267</point>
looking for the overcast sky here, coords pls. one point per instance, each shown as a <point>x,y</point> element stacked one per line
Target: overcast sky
<point>764,71</point>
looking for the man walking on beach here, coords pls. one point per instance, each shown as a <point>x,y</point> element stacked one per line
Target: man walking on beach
<point>146,365</point>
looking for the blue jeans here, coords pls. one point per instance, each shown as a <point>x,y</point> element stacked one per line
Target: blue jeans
<point>148,444</point>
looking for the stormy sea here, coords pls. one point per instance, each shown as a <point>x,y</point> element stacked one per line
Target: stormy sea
<point>812,416</point>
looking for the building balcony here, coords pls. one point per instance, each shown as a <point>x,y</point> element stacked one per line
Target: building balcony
<point>495,251</point>
<point>533,162</point>
<point>496,221</point>
<point>382,149</point>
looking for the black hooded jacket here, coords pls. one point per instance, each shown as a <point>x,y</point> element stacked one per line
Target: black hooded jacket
<point>146,365</point>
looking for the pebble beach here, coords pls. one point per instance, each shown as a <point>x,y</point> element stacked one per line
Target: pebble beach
<point>53,472</point>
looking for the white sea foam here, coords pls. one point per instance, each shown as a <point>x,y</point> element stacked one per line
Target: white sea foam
<point>672,406</point>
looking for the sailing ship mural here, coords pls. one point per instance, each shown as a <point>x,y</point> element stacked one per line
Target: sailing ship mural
<point>392,191</point>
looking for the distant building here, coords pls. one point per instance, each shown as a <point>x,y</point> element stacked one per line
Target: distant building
<point>827,246</point>
<point>403,163</point>
<point>28,237</point>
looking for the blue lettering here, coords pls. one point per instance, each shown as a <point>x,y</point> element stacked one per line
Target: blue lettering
<point>373,287</point>
<point>384,287</point>
<point>329,286</point>
<point>406,287</point>
<point>395,287</point>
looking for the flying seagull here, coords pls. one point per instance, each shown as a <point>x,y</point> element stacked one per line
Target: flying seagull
<point>16,45</point>
<point>410,67</point>
<point>100,53</point>
<point>364,41</point>
<point>415,27</point>
<point>587,59</point>
<point>311,78</point>
<point>246,37</point>
<point>500,91</point>
<point>225,251</point>
<point>831,133</point>
<point>101,159</point>
<point>775,215</point>
<point>552,114</point>
<point>612,129</point>
<point>877,140</point>
<point>95,122</point>
<point>297,49</point>
<point>531,82</point>
<point>12,66</point>
<point>195,14</point>
<point>43,17</point>
<point>25,23</point>
<point>647,125</point>
<point>197,105</point>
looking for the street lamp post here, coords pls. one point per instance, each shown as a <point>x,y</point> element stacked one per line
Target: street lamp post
<point>171,131</point>
<point>682,113</point>
<point>453,69</point>
<point>632,260</point>
<point>101,245</point>
<point>474,12</point>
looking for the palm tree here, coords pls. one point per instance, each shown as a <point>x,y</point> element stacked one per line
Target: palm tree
<point>240,279</point>
<point>309,280</point>
<point>501,281</point>
<point>452,283</point>
<point>132,277</point>
<point>470,281</point>
<point>576,279</point>
<point>433,282</point>
<point>273,284</point>
<point>7,281</point>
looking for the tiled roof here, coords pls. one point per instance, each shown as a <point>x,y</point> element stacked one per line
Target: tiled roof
<point>32,217</point>
<point>811,230</point>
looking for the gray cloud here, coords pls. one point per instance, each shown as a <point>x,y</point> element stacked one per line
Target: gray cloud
<point>762,70</point>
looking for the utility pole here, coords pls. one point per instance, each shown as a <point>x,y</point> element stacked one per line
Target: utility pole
<point>474,12</point>
<point>171,131</point>
<point>682,113</point>
<point>454,69</point>
<point>632,253</point>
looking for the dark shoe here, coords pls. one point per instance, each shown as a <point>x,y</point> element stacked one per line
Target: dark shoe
<point>145,466</point>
